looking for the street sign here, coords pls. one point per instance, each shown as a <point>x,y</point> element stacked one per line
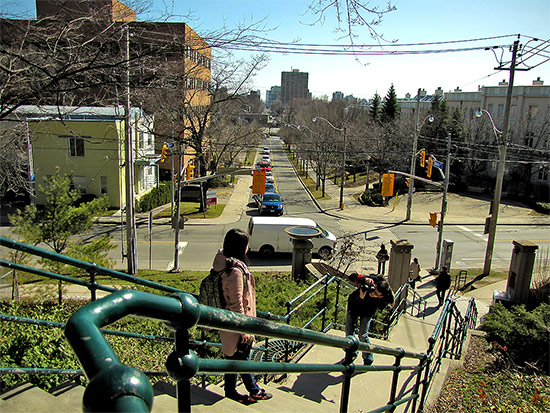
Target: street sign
<point>438,165</point>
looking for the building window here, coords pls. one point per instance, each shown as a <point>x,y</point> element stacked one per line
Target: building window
<point>500,113</point>
<point>103,184</point>
<point>532,112</point>
<point>543,173</point>
<point>76,146</point>
<point>79,183</point>
<point>490,108</point>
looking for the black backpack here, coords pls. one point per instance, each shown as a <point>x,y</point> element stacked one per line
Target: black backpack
<point>211,293</point>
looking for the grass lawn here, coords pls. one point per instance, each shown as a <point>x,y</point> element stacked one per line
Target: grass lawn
<point>191,210</point>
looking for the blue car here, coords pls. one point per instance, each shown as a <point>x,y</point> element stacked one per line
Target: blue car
<point>270,203</point>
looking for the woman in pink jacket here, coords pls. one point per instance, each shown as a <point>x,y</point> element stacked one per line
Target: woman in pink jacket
<point>239,292</point>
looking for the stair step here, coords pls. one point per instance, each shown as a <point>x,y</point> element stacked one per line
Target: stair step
<point>70,393</point>
<point>25,397</point>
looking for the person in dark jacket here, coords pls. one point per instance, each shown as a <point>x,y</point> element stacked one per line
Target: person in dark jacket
<point>382,256</point>
<point>442,284</point>
<point>373,292</point>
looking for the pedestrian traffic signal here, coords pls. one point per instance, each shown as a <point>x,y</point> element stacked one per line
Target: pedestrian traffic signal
<point>422,158</point>
<point>387,184</point>
<point>433,219</point>
<point>189,172</point>
<point>164,153</point>
<point>429,167</point>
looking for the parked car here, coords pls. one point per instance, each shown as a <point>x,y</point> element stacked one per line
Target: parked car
<point>270,187</point>
<point>270,203</point>
<point>266,158</point>
<point>269,178</point>
<point>265,150</point>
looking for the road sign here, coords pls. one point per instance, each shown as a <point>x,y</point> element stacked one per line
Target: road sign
<point>438,164</point>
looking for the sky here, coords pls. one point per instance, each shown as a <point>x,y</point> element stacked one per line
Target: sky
<point>413,22</point>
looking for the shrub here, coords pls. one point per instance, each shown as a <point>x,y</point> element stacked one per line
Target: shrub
<point>371,197</point>
<point>521,334</point>
<point>156,197</point>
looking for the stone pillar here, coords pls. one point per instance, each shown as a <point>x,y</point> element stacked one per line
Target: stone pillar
<point>301,255</point>
<point>521,271</point>
<point>400,260</point>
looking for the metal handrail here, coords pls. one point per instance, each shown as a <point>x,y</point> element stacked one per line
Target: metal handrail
<point>183,311</point>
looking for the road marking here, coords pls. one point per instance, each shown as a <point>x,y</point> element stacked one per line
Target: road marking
<point>471,231</point>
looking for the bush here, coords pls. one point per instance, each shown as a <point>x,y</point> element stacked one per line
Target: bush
<point>521,334</point>
<point>371,197</point>
<point>542,207</point>
<point>156,197</point>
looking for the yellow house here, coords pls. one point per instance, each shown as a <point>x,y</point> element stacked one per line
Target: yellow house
<point>89,143</point>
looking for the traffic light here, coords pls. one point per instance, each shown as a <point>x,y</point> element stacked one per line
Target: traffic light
<point>408,181</point>
<point>422,158</point>
<point>189,172</point>
<point>175,178</point>
<point>433,219</point>
<point>387,184</point>
<point>429,167</point>
<point>163,153</point>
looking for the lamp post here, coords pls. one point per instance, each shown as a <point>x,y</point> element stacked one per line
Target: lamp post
<point>429,118</point>
<point>343,174</point>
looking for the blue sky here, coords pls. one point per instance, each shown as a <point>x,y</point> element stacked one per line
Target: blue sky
<point>414,21</point>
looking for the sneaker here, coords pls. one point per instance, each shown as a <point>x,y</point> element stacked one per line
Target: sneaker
<point>241,398</point>
<point>262,395</point>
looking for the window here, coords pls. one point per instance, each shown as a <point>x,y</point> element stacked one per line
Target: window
<point>543,173</point>
<point>76,146</point>
<point>490,108</point>
<point>532,112</point>
<point>79,182</point>
<point>103,183</point>
<point>500,113</point>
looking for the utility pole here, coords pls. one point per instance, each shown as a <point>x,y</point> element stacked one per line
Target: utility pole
<point>443,204</point>
<point>177,218</point>
<point>129,164</point>
<point>413,157</point>
<point>501,165</point>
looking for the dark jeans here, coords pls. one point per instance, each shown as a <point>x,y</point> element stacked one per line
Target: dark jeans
<point>440,295</point>
<point>364,325</point>
<point>381,267</point>
<point>242,353</point>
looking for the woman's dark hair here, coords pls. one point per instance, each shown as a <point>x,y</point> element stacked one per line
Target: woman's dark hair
<point>235,243</point>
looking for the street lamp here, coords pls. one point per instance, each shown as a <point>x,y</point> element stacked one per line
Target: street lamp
<point>430,118</point>
<point>343,176</point>
<point>498,191</point>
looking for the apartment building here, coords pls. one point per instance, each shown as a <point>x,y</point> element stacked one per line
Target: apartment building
<point>294,85</point>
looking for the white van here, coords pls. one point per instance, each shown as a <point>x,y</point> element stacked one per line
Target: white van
<point>267,236</point>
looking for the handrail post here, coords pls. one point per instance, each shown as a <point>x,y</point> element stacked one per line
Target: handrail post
<point>183,386</point>
<point>323,320</point>
<point>351,353</point>
<point>395,378</point>
<point>421,365</point>
<point>93,287</point>
<point>338,285</point>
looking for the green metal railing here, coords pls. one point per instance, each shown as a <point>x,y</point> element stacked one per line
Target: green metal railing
<point>117,387</point>
<point>182,312</point>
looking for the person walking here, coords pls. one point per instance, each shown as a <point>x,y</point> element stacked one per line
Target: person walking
<point>382,256</point>
<point>239,293</point>
<point>442,284</point>
<point>414,272</point>
<point>373,292</point>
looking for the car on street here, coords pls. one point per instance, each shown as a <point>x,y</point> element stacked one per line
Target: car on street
<point>270,203</point>
<point>269,178</point>
<point>265,150</point>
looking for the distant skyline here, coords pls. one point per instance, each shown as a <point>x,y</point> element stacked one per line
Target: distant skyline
<point>414,22</point>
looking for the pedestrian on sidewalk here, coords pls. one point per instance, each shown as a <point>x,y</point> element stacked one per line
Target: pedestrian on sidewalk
<point>239,293</point>
<point>373,292</point>
<point>442,284</point>
<point>382,256</point>
<point>414,272</point>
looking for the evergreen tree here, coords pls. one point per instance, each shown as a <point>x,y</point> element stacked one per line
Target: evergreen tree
<point>390,107</point>
<point>375,107</point>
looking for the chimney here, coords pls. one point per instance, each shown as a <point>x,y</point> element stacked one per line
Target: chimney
<point>407,96</point>
<point>439,91</point>
<point>538,82</point>
<point>458,89</point>
<point>503,83</point>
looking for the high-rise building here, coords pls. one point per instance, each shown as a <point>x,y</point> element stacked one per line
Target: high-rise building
<point>337,96</point>
<point>272,95</point>
<point>294,85</point>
